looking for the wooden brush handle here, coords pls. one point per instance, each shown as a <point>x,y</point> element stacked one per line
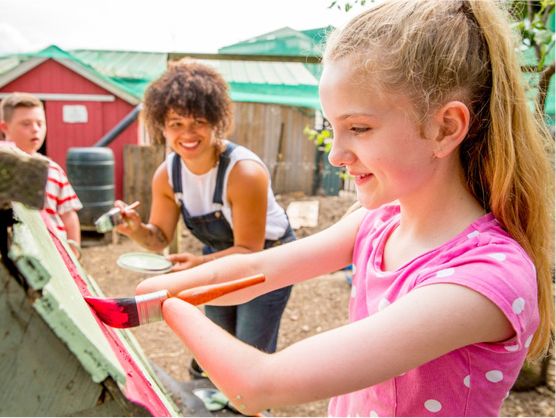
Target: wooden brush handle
<point>204,294</point>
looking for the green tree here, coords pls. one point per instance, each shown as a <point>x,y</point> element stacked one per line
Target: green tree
<point>535,23</point>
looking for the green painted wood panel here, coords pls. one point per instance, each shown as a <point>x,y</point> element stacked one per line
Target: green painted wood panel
<point>39,375</point>
<point>61,304</point>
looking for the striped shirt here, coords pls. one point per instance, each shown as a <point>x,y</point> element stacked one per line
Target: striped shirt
<point>59,197</point>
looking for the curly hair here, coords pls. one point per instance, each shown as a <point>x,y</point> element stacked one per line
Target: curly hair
<point>190,89</point>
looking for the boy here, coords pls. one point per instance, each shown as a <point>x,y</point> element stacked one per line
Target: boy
<point>23,123</point>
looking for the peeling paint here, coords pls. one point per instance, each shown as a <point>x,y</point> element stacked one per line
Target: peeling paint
<point>61,304</point>
<point>50,267</point>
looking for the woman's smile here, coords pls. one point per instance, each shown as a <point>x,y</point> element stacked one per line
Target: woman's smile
<point>189,145</point>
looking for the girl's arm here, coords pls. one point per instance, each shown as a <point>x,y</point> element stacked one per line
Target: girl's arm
<point>326,251</point>
<point>164,216</point>
<point>425,324</point>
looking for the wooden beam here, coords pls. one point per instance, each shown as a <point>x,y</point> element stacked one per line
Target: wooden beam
<point>22,178</point>
<point>309,59</point>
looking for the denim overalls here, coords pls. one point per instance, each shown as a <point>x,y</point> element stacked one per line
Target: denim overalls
<point>255,322</point>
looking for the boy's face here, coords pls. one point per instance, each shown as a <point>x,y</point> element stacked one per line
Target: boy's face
<point>26,128</point>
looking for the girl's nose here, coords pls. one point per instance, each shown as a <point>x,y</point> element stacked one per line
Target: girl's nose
<point>340,156</point>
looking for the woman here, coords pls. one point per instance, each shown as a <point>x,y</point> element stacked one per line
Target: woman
<point>222,190</point>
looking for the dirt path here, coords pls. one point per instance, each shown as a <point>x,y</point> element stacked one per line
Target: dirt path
<point>315,306</point>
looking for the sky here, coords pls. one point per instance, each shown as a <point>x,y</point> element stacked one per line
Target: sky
<point>154,25</point>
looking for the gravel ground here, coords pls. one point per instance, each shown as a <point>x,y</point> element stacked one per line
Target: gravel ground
<point>315,306</point>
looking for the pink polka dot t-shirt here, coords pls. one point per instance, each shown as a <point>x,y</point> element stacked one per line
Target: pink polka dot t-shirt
<point>473,380</point>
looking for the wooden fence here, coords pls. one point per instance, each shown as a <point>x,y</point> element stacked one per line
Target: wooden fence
<point>273,132</point>
<point>140,163</point>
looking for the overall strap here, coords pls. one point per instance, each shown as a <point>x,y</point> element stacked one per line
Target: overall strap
<point>222,166</point>
<point>177,185</point>
<point>176,176</point>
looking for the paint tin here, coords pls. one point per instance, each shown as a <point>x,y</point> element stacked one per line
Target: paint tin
<point>143,262</point>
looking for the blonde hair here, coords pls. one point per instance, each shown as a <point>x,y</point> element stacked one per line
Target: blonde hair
<point>436,51</point>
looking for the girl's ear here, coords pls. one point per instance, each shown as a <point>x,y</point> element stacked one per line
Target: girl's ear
<point>452,122</point>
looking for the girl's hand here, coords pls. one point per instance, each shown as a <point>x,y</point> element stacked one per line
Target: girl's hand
<point>184,261</point>
<point>132,220</point>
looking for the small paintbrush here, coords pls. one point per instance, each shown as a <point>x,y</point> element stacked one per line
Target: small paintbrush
<point>109,220</point>
<point>143,309</point>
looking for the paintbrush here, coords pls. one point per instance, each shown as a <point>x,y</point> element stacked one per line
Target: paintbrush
<point>143,309</point>
<point>107,221</point>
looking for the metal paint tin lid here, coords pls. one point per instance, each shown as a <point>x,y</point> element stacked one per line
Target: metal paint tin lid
<point>143,262</point>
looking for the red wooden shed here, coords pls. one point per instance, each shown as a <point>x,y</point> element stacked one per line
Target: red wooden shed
<point>81,104</point>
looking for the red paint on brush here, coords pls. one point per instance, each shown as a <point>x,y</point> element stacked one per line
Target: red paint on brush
<point>109,311</point>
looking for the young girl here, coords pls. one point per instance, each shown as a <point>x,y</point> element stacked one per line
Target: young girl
<point>221,189</point>
<point>452,248</point>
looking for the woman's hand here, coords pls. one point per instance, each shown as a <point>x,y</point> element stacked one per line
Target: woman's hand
<point>184,261</point>
<point>132,220</point>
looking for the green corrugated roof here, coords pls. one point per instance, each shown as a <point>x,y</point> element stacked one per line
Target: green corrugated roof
<point>124,64</point>
<point>284,83</point>
<point>284,41</point>
<point>318,35</point>
<point>264,72</point>
<point>9,63</point>
<point>133,70</point>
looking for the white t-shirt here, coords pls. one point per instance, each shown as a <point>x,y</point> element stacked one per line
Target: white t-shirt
<point>198,192</point>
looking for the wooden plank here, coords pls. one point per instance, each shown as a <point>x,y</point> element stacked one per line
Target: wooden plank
<point>259,126</point>
<point>140,163</point>
<point>22,177</point>
<point>305,59</point>
<point>61,304</point>
<point>40,376</point>
<point>103,363</point>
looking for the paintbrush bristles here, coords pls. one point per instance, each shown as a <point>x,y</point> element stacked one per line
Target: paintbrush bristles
<point>149,306</point>
<point>129,312</point>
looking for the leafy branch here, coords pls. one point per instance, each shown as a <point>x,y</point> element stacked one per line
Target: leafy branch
<point>322,138</point>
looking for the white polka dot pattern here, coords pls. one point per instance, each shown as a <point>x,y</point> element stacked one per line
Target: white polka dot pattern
<point>445,273</point>
<point>518,305</point>
<point>498,256</point>
<point>494,376</point>
<point>528,341</point>
<point>467,381</point>
<point>471,380</point>
<point>512,348</point>
<point>432,405</point>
